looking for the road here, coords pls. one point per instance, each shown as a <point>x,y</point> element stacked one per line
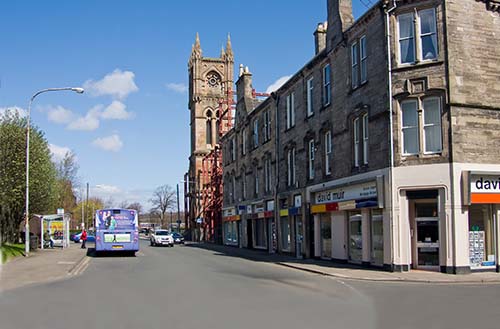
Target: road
<point>192,287</point>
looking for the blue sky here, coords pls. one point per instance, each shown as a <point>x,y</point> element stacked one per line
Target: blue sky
<point>130,129</point>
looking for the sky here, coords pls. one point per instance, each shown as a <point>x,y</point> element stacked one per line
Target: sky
<point>130,129</point>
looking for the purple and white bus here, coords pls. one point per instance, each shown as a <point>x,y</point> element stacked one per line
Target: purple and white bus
<point>116,230</point>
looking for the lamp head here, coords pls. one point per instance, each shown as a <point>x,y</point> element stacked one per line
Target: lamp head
<point>78,90</point>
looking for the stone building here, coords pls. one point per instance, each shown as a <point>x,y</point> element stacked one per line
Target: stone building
<point>380,151</point>
<point>210,79</point>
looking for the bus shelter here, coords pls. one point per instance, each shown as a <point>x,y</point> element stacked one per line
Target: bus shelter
<point>58,227</point>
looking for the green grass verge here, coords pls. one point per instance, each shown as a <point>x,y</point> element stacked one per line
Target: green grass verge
<point>9,251</point>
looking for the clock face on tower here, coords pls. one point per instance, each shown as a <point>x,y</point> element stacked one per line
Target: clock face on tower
<point>213,79</point>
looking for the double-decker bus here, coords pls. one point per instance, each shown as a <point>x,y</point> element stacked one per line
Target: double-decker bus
<point>116,230</point>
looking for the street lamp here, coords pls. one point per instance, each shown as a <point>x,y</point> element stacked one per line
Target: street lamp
<point>27,225</point>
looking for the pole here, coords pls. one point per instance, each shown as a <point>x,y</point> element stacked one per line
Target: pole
<point>83,211</point>
<point>86,207</point>
<point>26,212</point>
<point>178,211</point>
<point>171,215</point>
<point>27,219</point>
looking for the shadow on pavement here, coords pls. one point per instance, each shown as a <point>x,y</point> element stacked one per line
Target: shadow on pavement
<point>266,257</point>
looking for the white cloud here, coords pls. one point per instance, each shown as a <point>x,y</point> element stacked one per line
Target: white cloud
<point>59,114</point>
<point>278,83</point>
<point>13,109</point>
<point>111,143</point>
<point>116,110</point>
<point>106,189</point>
<point>118,195</point>
<point>118,84</point>
<point>58,152</point>
<point>89,122</point>
<point>177,87</point>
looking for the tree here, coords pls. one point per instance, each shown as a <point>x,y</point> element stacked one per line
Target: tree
<point>89,209</point>
<point>67,170</point>
<point>164,198</point>
<point>43,180</point>
<point>135,205</point>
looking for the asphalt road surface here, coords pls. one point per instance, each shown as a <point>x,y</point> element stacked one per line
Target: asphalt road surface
<point>192,287</point>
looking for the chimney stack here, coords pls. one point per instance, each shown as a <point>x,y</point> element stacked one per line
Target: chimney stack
<point>320,37</point>
<point>339,20</point>
<point>244,90</point>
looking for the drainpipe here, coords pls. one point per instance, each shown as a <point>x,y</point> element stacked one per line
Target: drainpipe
<point>276,98</point>
<point>391,131</point>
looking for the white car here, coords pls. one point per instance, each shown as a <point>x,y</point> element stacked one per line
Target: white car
<point>162,238</point>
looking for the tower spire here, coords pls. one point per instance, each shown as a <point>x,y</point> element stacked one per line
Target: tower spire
<point>229,48</point>
<point>196,51</point>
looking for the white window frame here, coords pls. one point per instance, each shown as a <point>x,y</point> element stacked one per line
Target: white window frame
<point>311,158</point>
<point>403,128</point>
<point>233,148</point>
<point>244,142</point>
<point>354,65</point>
<point>310,88</point>
<point>327,93</point>
<point>233,195</point>
<point>256,133</point>
<point>363,60</point>
<point>290,110</point>
<point>291,167</point>
<point>267,173</point>
<point>328,151</point>
<point>267,123</point>
<point>256,182</point>
<point>431,34</point>
<point>417,36</point>
<point>365,138</point>
<point>411,37</point>
<point>429,125</point>
<point>356,142</point>
<point>244,184</point>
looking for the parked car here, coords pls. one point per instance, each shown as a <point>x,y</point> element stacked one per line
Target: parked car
<point>162,238</point>
<point>76,237</point>
<point>178,238</point>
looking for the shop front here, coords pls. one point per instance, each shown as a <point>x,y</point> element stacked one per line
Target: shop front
<point>263,232</point>
<point>348,222</point>
<point>483,200</point>
<point>231,227</point>
<point>291,231</point>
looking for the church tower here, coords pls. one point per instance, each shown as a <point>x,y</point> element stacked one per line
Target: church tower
<point>210,79</point>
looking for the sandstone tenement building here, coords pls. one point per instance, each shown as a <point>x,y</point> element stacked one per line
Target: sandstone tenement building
<point>382,149</point>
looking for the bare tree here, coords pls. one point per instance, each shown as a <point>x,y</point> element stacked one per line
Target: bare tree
<point>123,205</point>
<point>164,198</point>
<point>135,205</point>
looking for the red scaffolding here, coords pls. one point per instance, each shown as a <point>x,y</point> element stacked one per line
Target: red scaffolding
<point>212,188</point>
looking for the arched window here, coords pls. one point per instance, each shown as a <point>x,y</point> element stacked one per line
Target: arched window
<point>208,128</point>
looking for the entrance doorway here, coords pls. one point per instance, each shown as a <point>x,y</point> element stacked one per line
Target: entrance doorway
<point>425,235</point>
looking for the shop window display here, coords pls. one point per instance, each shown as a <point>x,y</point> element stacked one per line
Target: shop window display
<point>481,236</point>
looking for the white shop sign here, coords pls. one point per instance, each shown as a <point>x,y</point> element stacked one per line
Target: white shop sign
<point>346,193</point>
<point>229,212</point>
<point>484,183</point>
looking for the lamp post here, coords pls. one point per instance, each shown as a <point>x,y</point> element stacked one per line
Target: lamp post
<point>27,225</point>
<point>178,212</point>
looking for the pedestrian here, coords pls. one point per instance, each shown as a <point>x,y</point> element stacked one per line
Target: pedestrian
<point>48,239</point>
<point>84,238</point>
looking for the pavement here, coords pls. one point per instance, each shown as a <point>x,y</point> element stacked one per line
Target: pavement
<point>43,266</point>
<point>352,271</point>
